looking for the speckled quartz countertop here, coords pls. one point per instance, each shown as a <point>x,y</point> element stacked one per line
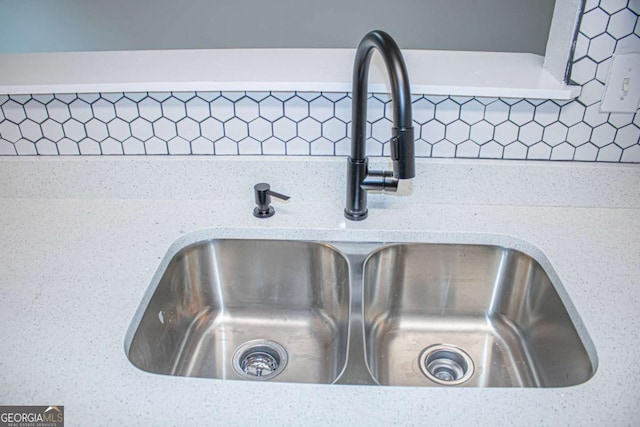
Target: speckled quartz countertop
<point>81,239</point>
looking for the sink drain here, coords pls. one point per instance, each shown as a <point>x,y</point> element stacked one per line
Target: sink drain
<point>259,359</point>
<point>446,364</point>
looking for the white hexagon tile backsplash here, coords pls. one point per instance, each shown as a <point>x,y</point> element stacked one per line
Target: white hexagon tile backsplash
<point>297,123</point>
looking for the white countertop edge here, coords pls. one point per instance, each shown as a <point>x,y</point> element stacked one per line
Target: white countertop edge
<point>488,74</point>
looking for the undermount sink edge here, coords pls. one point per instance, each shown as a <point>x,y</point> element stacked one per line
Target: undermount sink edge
<point>357,366</point>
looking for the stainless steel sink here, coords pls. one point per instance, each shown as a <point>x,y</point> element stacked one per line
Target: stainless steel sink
<point>465,315</point>
<point>254,309</point>
<point>360,313</point>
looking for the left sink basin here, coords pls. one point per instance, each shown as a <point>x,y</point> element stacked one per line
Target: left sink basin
<point>248,309</point>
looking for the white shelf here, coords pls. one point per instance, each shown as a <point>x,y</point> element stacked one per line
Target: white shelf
<point>488,74</point>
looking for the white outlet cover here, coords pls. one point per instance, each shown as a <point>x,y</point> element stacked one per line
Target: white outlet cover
<point>622,92</point>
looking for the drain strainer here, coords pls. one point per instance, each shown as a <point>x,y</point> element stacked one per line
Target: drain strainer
<point>259,359</point>
<point>446,364</point>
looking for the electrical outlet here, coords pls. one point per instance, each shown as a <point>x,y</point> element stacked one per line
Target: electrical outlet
<point>622,92</point>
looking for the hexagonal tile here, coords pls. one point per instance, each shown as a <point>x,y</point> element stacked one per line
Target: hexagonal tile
<point>274,146</point>
<point>631,154</point>
<point>44,147</point>
<point>89,147</point>
<point>309,129</point>
<point>572,113</point>
<point>9,131</point>
<point>260,129</point>
<point>103,110</point>
<point>521,112</point>
<point>150,109</point>
<point>609,153</point>
<point>74,130</point>
<point>271,108</point>
<point>506,133</point>
<point>472,112</point>
<point>160,96</point>
<point>481,132</point>
<point>603,135</point>
<point>174,109</point>
<point>96,130</point>
<point>555,134</point>
<point>21,148</point>
<point>81,111</point>
<point>284,129</point>
<point>235,129</point>
<point>67,147</point>
<point>178,145</point>
<point>627,136</point>
<point>13,111</point>
<point>52,130</point>
<point>164,129</point>
<point>249,146</point>
<point>530,134</point>
<point>539,151</point>
<point>563,151</point>
<point>188,129</point>
<point>582,44</point>
<point>583,70</point>
<point>593,117</point>
<point>198,110</point>
<point>322,147</point>
<point>133,146</point>
<point>457,132</point>
<point>222,109</point>
<point>334,130</point>
<point>622,23</point>
<point>601,47</point>
<point>423,111</point>
<point>321,109</point>
<point>591,93</point>
<point>432,132</point>
<point>30,130</point>
<point>497,112</point>
<point>119,130</point>
<point>183,96</point>
<point>111,147</point>
<point>468,149</point>
<point>594,22</point>
<point>343,109</point>
<point>630,43</point>
<point>225,146</point>
<point>201,146</point>
<point>155,145</point>
<point>211,129</point>
<point>127,110</point>
<point>298,147</point>
<point>381,130</point>
<point>515,150</point>
<point>491,150</point>
<point>36,111</point>
<point>447,111</point>
<point>612,6</point>
<point>578,134</point>
<point>619,120</point>
<point>296,109</point>
<point>246,109</point>
<point>375,109</point>
<point>443,148</point>
<point>547,113</point>
<point>141,129</point>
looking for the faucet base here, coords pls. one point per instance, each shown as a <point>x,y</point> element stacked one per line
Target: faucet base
<point>356,216</point>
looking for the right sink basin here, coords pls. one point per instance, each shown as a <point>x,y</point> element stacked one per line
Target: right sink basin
<point>467,315</point>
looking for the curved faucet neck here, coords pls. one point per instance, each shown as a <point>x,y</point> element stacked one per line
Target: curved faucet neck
<point>399,82</point>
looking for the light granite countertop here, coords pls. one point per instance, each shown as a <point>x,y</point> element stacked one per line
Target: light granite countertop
<point>82,238</point>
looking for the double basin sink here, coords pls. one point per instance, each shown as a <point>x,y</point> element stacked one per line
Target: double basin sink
<point>406,314</point>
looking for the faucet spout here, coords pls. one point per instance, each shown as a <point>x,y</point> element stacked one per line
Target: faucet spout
<point>359,178</point>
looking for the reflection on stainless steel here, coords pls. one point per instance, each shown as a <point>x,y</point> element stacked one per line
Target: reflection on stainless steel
<point>360,313</point>
<point>217,295</point>
<point>496,304</point>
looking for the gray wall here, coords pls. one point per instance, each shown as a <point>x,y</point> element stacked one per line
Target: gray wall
<point>80,25</point>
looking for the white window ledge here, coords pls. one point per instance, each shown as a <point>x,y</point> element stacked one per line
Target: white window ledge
<point>490,74</point>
